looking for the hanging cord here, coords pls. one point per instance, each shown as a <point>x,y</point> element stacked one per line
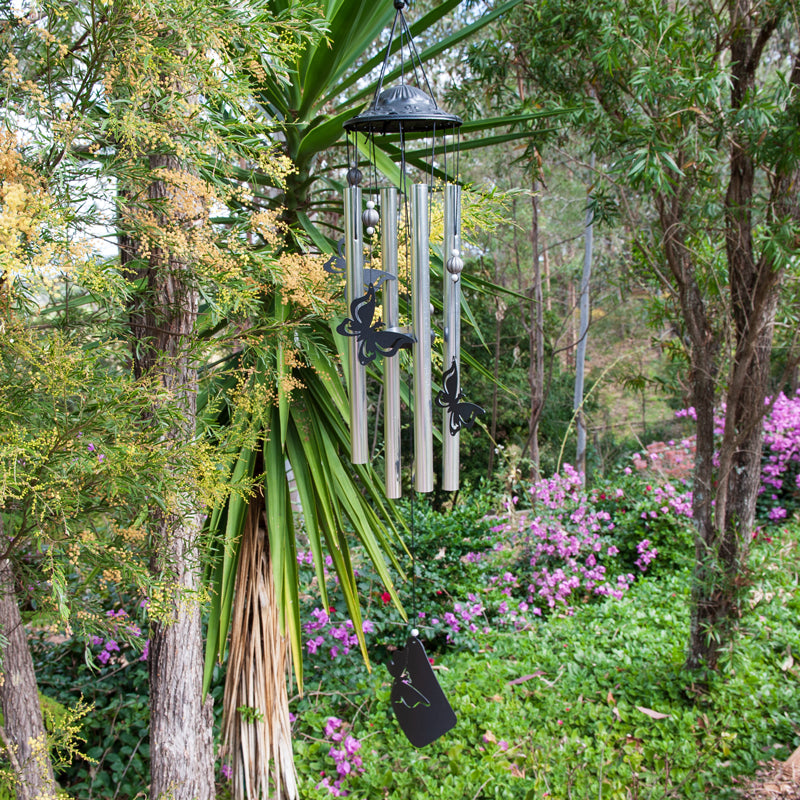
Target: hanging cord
<point>412,50</point>
<point>386,57</point>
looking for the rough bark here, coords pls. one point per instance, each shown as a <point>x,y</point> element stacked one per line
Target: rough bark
<point>163,322</point>
<point>703,347</point>
<point>23,732</point>
<point>753,286</point>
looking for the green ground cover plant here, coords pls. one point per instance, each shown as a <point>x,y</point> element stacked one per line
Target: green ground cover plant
<point>556,619</point>
<point>592,704</point>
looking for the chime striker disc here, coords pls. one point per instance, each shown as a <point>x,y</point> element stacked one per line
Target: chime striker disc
<point>403,107</point>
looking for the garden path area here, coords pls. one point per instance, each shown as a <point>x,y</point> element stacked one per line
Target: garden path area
<point>776,780</point>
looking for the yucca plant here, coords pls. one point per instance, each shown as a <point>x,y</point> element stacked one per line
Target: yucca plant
<point>255,618</point>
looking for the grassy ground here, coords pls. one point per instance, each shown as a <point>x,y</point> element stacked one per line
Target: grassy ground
<point>595,705</point>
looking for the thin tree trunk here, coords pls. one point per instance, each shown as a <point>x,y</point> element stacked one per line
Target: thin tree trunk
<point>580,356</point>
<point>23,732</point>
<point>163,322</point>
<point>572,304</point>
<point>536,341</point>
<point>703,382</point>
<point>546,276</point>
<point>499,315</point>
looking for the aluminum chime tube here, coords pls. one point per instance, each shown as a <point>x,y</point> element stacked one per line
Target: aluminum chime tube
<point>421,327</point>
<point>354,256</point>
<point>391,366</point>
<point>452,325</point>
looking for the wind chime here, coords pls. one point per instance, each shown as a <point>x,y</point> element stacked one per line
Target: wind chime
<point>401,216</point>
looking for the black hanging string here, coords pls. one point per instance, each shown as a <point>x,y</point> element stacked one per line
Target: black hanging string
<point>415,59</point>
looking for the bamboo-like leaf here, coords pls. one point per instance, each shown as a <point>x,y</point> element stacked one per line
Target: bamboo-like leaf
<point>305,490</point>
<point>322,136</point>
<point>419,26</point>
<point>280,312</point>
<point>444,44</point>
<point>222,582</point>
<point>291,600</point>
<point>322,244</point>
<point>353,27</point>
<point>275,496</point>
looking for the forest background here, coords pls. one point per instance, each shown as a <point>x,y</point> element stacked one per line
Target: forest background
<point>170,180</point>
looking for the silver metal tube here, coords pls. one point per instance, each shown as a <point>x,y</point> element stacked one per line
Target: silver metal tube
<point>354,256</point>
<point>451,296</point>
<point>391,366</point>
<point>421,325</point>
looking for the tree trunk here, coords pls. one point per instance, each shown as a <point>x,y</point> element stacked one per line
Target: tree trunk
<point>536,341</point>
<point>702,648</point>
<point>572,337</point>
<point>753,286</point>
<point>163,323</point>
<point>499,315</point>
<point>23,732</point>
<point>580,355</point>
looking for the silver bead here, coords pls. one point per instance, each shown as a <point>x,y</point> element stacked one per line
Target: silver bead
<point>370,216</point>
<point>455,264</point>
<point>369,230</point>
<point>354,176</point>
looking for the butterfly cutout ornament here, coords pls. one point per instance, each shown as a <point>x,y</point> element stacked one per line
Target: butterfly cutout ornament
<point>372,340</point>
<point>418,702</point>
<point>337,265</point>
<point>462,415</point>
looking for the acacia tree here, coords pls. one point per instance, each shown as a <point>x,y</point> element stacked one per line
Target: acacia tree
<point>112,92</point>
<point>694,109</point>
<point>77,461</point>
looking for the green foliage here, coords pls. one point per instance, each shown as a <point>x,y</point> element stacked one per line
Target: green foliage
<point>643,507</point>
<point>593,703</point>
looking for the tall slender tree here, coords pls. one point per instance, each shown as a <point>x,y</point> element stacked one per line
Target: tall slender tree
<point>662,98</point>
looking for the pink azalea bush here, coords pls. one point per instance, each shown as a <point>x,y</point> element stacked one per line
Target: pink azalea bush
<point>569,543</point>
<point>779,492</point>
<point>344,751</point>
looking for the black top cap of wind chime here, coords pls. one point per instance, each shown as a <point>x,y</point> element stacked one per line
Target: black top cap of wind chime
<point>403,108</point>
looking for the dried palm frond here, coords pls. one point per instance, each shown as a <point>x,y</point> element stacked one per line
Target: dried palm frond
<point>256,729</point>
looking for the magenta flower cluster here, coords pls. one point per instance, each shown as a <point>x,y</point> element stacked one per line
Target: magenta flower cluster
<point>120,624</point>
<point>569,540</point>
<point>322,633</point>
<point>344,752</point>
<point>780,470</point>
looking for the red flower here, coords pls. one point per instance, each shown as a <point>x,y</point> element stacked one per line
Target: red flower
<point>386,597</point>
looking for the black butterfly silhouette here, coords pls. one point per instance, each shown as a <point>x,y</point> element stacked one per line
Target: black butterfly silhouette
<point>372,341</point>
<point>336,265</point>
<point>377,277</point>
<point>462,415</point>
